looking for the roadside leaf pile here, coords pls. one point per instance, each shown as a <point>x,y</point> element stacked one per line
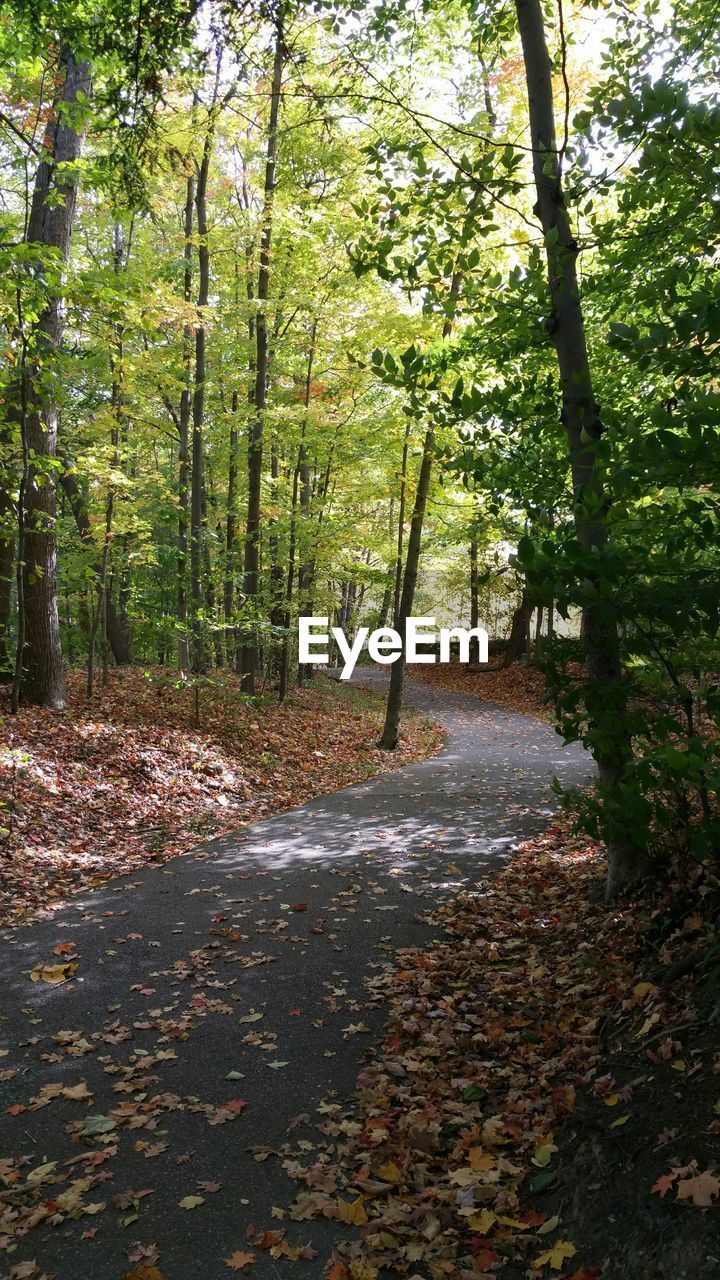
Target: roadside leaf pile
<point>520,687</point>
<point>452,1157</point>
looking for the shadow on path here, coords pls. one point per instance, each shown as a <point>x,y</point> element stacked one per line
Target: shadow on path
<point>286,919</point>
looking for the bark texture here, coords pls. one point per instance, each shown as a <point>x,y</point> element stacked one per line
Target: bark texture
<point>581,418</point>
<point>50,227</point>
<point>251,563</point>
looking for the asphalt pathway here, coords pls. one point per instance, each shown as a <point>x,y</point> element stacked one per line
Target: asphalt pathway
<point>225,994</point>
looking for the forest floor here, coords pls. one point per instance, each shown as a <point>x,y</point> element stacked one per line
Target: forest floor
<point>407,999</point>
<point>520,687</point>
<point>111,786</point>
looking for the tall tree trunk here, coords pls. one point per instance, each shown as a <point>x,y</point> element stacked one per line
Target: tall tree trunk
<point>50,226</point>
<point>305,567</point>
<point>581,418</point>
<point>184,436</point>
<point>391,728</point>
<point>401,525</point>
<point>198,654</point>
<point>231,534</point>
<point>251,566</point>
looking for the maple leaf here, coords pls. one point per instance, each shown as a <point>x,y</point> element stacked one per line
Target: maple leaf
<point>556,1256</point>
<point>143,1272</point>
<point>238,1260</point>
<point>703,1190</point>
<point>663,1184</point>
<point>191,1202</point>
<point>352,1212</point>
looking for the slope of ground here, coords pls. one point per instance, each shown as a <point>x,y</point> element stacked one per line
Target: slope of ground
<point>520,687</point>
<point>108,787</point>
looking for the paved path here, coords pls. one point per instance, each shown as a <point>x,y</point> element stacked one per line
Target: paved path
<point>284,919</point>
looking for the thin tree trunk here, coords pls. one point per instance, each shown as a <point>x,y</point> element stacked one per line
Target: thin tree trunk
<point>184,437</point>
<point>231,535</point>
<point>305,568</point>
<point>537,648</point>
<point>285,660</point>
<point>581,418</point>
<point>474,604</point>
<point>251,566</point>
<point>401,525</point>
<point>391,728</point>
<point>50,226</point>
<point>100,621</point>
<point>198,411</point>
<point>117,634</point>
<point>7,560</point>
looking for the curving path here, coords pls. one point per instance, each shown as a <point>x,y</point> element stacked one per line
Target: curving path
<point>284,919</point>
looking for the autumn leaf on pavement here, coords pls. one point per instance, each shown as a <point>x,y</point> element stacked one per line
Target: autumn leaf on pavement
<point>191,1202</point>
<point>53,973</point>
<point>352,1212</point>
<point>663,1184</point>
<point>143,1272</point>
<point>238,1260</point>
<point>556,1256</point>
<point>703,1190</point>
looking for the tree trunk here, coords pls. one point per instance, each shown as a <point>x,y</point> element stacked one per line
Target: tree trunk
<point>581,418</point>
<point>50,226</point>
<point>198,655</point>
<point>251,565</point>
<point>391,727</point>
<point>401,525</point>
<point>230,536</point>
<point>474,604</point>
<point>184,437</point>
<point>7,560</point>
<point>517,645</point>
<point>118,637</point>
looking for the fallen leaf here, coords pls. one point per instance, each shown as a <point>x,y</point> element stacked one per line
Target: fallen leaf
<point>238,1260</point>
<point>557,1256</point>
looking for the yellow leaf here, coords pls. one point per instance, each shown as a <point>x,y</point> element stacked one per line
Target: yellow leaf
<point>620,1120</point>
<point>612,1099</point>
<point>77,1092</point>
<point>557,1256</point>
<point>679,1065</point>
<point>42,1171</point>
<point>642,989</point>
<point>543,1155</point>
<point>513,1222</point>
<point>52,972</point>
<point>482,1222</point>
<point>191,1202</point>
<point>353,1213</point>
<point>389,1172</point>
